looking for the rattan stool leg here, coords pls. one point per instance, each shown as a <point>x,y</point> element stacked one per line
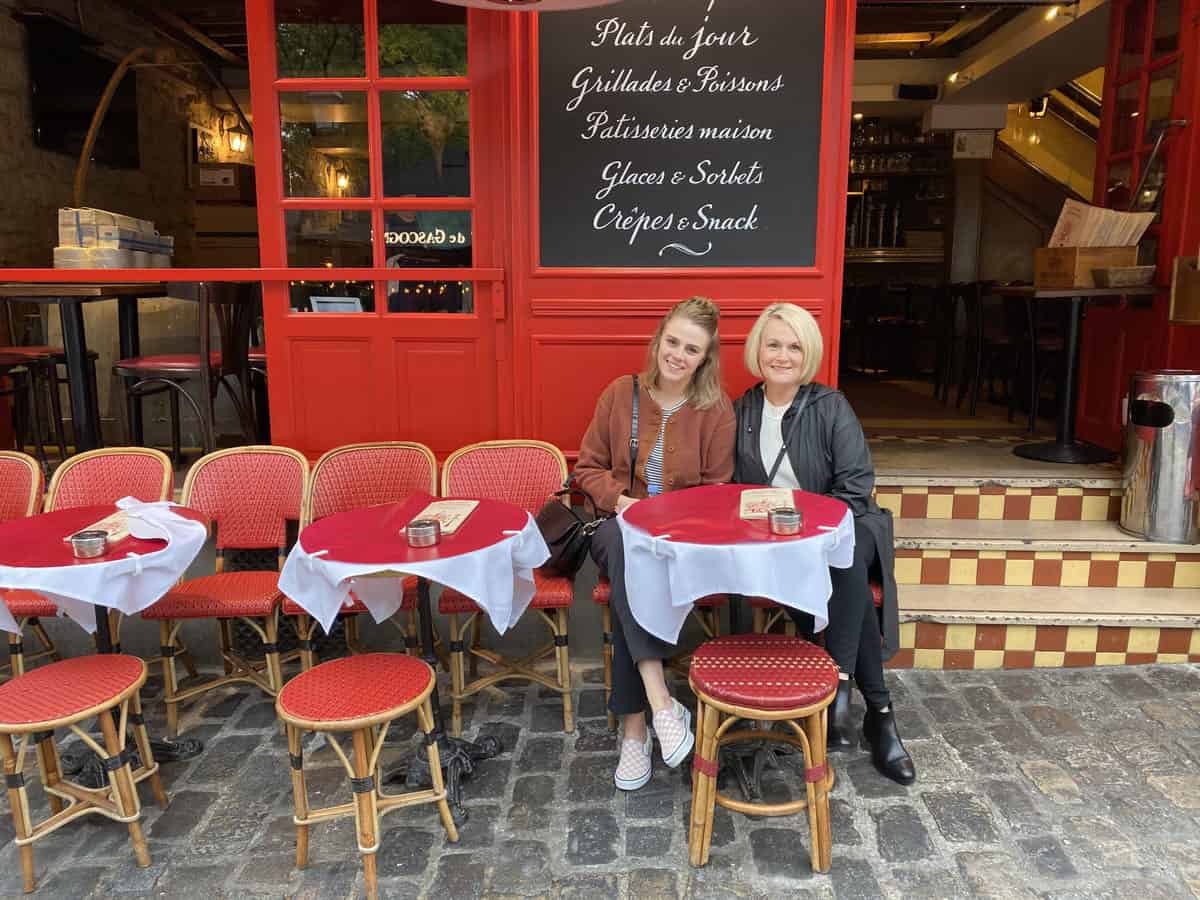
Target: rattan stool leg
<point>305,625</point>
<point>123,790</point>
<point>16,654</point>
<point>425,720</point>
<point>274,668</point>
<point>458,675</point>
<point>711,750</point>
<point>562,654</point>
<point>476,624</point>
<point>366,811</point>
<point>818,793</point>
<point>18,802</point>
<point>48,765</point>
<point>606,617</point>
<point>224,629</point>
<point>47,644</point>
<point>166,639</point>
<point>760,621</point>
<point>142,737</point>
<point>352,637</point>
<point>704,783</point>
<point>299,793</point>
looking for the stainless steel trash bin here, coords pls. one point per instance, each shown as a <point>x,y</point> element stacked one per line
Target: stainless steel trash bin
<point>1161,498</point>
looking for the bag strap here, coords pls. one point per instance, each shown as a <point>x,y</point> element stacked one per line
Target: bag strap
<point>633,437</point>
<point>790,436</point>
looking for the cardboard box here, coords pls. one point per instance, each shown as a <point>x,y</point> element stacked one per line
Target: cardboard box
<point>1071,267</point>
<point>225,183</point>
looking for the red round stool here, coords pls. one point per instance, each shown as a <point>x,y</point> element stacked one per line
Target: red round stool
<point>61,695</point>
<point>360,695</point>
<point>761,677</point>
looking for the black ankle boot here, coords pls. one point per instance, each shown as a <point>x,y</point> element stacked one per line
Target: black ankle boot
<point>840,726</point>
<point>887,750</point>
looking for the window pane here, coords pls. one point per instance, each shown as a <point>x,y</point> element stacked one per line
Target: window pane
<point>1133,40</point>
<point>324,137</point>
<point>332,296</point>
<point>426,144</point>
<point>1166,27</point>
<point>422,39</point>
<point>431,297</point>
<point>427,238</point>
<point>331,238</point>
<point>319,38</point>
<point>1162,96</point>
<point>1126,115</point>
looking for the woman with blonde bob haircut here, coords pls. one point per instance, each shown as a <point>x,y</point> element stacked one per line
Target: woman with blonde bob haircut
<point>793,432</point>
<point>684,438</point>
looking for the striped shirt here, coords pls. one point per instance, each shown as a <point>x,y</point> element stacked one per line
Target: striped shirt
<point>654,462</point>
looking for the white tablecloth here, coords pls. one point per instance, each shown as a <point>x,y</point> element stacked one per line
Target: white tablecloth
<point>664,578</point>
<point>130,583</point>
<point>498,577</point>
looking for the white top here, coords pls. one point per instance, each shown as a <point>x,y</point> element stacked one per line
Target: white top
<point>770,442</point>
<point>654,469</point>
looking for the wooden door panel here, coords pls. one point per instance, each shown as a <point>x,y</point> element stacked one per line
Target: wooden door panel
<point>444,393</point>
<point>333,393</point>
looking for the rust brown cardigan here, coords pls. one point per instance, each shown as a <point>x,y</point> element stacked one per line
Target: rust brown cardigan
<point>697,445</point>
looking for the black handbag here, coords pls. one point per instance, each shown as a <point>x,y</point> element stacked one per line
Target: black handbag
<point>567,534</point>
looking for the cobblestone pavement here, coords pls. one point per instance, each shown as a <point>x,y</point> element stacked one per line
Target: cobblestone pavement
<point>1076,783</point>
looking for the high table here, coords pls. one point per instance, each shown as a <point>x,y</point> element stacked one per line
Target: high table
<point>85,417</point>
<point>684,545</point>
<point>1065,448</point>
<point>132,575</point>
<point>490,558</point>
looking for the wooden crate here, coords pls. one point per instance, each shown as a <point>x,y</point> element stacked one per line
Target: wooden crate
<point>1071,267</point>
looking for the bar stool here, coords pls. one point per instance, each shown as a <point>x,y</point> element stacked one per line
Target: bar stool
<point>761,677</point>
<point>16,369</point>
<point>361,695</point>
<point>62,695</point>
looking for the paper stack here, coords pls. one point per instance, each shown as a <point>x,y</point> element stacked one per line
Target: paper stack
<point>99,239</point>
<point>1082,225</point>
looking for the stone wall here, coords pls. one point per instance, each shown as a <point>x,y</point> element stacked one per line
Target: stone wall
<point>37,182</point>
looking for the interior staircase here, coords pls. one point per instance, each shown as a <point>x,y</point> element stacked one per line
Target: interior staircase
<point>1007,570</point>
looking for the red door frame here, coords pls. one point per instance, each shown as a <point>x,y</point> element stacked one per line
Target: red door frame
<point>1120,340</point>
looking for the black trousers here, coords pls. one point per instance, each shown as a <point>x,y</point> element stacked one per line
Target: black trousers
<point>631,642</point>
<point>853,637</point>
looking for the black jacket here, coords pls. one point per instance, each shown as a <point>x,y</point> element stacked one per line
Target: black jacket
<point>829,455</point>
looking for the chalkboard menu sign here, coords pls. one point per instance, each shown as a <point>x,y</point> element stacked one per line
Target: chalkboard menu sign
<point>680,133</point>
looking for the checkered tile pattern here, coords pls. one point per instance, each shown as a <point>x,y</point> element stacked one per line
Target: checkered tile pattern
<point>1046,504</point>
<point>1027,568</point>
<point>934,645</point>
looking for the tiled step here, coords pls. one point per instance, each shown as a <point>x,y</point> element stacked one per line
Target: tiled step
<point>957,627</point>
<point>1037,553</point>
<point>1016,499</point>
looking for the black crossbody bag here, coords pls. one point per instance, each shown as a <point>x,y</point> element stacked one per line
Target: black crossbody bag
<point>567,534</point>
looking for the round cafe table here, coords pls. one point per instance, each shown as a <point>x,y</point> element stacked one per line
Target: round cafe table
<point>490,558</point>
<point>684,545</point>
<point>134,573</point>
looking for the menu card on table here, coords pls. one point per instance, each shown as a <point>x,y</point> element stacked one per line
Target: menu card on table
<point>450,514</point>
<point>116,524</point>
<point>755,504</point>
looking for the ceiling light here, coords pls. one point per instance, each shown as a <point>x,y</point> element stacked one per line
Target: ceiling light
<point>1052,13</point>
<point>953,78</point>
<point>858,117</point>
<point>530,5</point>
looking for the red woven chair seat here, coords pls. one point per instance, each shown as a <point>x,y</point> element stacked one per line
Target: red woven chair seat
<point>64,689</point>
<point>28,604</point>
<point>33,353</point>
<point>355,687</point>
<point>227,595</point>
<point>551,592</point>
<point>257,355</point>
<point>763,671</point>
<point>168,362</point>
<point>408,602</point>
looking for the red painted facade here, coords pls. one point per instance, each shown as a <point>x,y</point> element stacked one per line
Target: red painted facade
<point>1121,339</point>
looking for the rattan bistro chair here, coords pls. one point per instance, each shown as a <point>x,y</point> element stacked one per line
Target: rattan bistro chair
<point>63,695</point>
<point>362,696</point>
<point>352,477</point>
<point>761,677</point>
<point>525,474</point>
<point>20,496</point>
<point>249,494</point>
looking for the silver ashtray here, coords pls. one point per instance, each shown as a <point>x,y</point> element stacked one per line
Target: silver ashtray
<point>89,544</point>
<point>785,520</point>
<point>423,532</point>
